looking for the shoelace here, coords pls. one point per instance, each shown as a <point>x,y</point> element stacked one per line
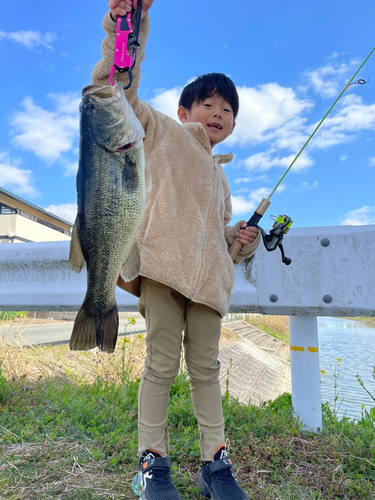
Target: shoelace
<point>160,476</point>
<point>224,476</point>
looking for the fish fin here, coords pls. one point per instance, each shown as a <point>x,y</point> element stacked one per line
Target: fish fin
<point>95,331</point>
<point>83,335</point>
<point>148,180</point>
<point>130,268</point>
<point>106,334</point>
<point>76,258</point>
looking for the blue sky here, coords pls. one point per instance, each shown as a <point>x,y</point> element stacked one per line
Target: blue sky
<point>289,60</point>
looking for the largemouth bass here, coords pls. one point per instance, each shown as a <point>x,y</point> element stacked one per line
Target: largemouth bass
<point>111,192</point>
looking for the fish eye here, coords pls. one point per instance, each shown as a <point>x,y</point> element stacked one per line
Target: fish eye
<point>88,105</point>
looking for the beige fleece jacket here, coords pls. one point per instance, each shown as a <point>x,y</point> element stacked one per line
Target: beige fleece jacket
<point>184,235</point>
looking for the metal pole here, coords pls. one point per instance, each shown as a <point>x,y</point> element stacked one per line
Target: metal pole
<point>304,359</point>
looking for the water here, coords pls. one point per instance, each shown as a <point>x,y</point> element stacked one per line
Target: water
<point>354,343</point>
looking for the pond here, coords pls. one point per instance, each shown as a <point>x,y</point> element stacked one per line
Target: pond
<point>354,343</point>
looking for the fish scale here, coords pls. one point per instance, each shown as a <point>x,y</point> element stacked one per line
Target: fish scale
<point>111,193</point>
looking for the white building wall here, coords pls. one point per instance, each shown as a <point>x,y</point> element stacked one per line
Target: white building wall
<point>30,230</point>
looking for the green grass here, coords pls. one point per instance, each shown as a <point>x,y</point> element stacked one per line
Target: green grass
<point>277,326</point>
<point>68,431</point>
<point>11,315</point>
<point>68,440</point>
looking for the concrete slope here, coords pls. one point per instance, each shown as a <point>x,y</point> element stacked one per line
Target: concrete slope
<point>254,373</point>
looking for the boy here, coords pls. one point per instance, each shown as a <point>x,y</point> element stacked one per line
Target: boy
<point>186,271</point>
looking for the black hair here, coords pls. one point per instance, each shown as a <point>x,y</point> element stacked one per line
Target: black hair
<point>206,86</point>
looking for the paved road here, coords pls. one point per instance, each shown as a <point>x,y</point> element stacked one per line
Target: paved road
<point>55,333</point>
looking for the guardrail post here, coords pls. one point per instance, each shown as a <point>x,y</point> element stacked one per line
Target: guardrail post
<point>305,370</point>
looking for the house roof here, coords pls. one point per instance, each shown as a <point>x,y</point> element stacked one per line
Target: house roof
<point>35,207</point>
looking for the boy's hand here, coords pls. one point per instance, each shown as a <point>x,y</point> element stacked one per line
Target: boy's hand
<point>122,7</point>
<point>247,235</point>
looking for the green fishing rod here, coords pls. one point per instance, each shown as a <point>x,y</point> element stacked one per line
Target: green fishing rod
<point>283,223</point>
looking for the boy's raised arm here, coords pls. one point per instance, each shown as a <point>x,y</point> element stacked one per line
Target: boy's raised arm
<point>101,71</point>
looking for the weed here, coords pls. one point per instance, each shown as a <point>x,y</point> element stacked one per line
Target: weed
<point>68,431</point>
<point>336,375</point>
<point>5,388</point>
<point>11,315</point>
<point>371,414</point>
<point>127,357</point>
<point>227,379</point>
<point>277,326</point>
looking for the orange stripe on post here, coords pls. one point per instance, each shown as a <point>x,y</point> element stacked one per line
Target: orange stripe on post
<point>313,349</point>
<point>296,348</point>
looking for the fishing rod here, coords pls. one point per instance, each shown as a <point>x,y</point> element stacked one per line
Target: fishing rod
<point>283,223</point>
<point>127,42</point>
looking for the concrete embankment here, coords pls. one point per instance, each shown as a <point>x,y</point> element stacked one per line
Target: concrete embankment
<point>257,367</point>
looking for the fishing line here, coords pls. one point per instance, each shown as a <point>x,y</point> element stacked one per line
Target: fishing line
<point>360,82</point>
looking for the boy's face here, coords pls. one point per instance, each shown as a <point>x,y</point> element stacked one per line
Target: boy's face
<point>214,113</point>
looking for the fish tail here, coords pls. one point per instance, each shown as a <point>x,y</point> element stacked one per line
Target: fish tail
<point>91,331</point>
<point>106,334</point>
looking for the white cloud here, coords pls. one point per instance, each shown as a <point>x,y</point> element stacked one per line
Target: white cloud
<point>277,116</point>
<point>264,161</point>
<point>242,180</point>
<point>48,134</point>
<point>306,186</point>
<point>244,206</point>
<point>241,205</point>
<point>335,55</point>
<point>351,118</point>
<point>16,179</point>
<point>281,188</point>
<point>70,167</point>
<point>66,211</point>
<point>372,162</point>
<point>265,110</point>
<point>360,216</point>
<point>30,39</point>
<point>263,113</point>
<point>166,101</point>
<point>344,157</point>
<point>328,81</point>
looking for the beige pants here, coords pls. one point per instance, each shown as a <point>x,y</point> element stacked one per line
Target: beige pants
<point>167,314</point>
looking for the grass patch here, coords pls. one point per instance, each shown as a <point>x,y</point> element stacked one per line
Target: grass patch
<point>11,315</point>
<point>277,326</point>
<point>68,430</point>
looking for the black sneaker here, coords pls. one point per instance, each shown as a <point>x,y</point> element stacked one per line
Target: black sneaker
<point>153,480</point>
<point>216,480</point>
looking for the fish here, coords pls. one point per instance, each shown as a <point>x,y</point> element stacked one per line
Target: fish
<point>112,181</point>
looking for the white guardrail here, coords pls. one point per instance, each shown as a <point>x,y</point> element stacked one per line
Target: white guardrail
<point>332,274</point>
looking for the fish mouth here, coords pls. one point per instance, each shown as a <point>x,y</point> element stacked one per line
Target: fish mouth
<point>127,147</point>
<point>101,91</point>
